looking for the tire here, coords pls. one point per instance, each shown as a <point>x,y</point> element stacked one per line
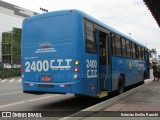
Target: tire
<point>144,77</point>
<point>121,85</point>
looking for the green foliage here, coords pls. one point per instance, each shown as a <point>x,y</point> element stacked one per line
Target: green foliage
<point>6,42</point>
<point>6,37</point>
<point>6,73</point>
<point>6,49</point>
<point>16,45</point>
<point>11,45</point>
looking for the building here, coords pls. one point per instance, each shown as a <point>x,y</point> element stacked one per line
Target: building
<point>154,7</point>
<point>11,16</point>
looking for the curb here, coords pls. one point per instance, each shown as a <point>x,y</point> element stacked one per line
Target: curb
<point>103,104</point>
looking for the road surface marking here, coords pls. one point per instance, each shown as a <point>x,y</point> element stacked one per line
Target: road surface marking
<point>12,104</point>
<point>41,98</point>
<point>11,80</point>
<point>19,80</point>
<point>22,102</point>
<point>11,93</point>
<point>4,80</point>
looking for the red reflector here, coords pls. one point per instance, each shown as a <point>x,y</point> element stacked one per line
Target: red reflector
<point>22,70</point>
<point>66,85</point>
<point>75,69</point>
<point>27,84</point>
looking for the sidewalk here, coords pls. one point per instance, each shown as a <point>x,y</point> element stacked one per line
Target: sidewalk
<point>138,100</point>
<point>145,99</point>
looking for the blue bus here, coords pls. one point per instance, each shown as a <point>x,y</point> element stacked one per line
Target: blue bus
<point>69,51</point>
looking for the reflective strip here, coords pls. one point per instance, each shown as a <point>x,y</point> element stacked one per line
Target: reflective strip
<point>61,67</point>
<point>94,76</point>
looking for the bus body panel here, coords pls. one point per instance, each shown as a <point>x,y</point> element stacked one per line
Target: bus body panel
<point>52,42</point>
<point>44,49</point>
<point>48,51</point>
<point>132,69</point>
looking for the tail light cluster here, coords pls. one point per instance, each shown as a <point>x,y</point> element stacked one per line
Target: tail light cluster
<point>76,68</point>
<point>22,70</point>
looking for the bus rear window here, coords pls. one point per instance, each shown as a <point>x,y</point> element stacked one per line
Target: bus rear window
<point>90,40</point>
<point>48,29</point>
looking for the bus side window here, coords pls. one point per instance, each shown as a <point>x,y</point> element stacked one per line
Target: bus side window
<point>118,45</point>
<point>133,51</point>
<point>103,49</point>
<point>113,45</point>
<point>128,48</point>
<point>90,40</point>
<point>123,47</point>
<point>138,52</point>
<point>102,55</point>
<point>142,53</point>
<point>145,54</point>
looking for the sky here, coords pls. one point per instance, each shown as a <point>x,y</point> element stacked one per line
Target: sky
<point>126,16</point>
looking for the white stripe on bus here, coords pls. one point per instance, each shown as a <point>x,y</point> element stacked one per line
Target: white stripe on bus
<point>61,67</point>
<point>94,76</point>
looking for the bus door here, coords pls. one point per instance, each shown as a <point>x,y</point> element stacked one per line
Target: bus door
<point>103,61</point>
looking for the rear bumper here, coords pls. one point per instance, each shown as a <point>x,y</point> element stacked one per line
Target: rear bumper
<point>61,88</point>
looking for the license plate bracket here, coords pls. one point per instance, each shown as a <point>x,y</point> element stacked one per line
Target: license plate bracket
<point>46,86</point>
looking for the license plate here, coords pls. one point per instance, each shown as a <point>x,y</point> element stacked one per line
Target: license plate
<point>46,86</point>
<point>46,78</point>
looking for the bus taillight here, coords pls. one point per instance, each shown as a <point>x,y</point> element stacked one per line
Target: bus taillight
<point>28,84</point>
<point>76,62</point>
<point>75,69</point>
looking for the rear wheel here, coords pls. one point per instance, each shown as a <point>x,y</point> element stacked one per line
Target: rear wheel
<point>121,85</point>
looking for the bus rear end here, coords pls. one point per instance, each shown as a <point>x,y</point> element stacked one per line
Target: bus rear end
<point>47,53</point>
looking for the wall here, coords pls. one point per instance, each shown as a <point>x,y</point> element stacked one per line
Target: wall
<point>6,24</point>
<point>11,16</point>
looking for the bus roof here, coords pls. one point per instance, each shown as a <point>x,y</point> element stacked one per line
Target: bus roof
<point>54,13</point>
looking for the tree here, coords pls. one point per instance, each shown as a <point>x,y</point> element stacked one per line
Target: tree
<point>153,53</point>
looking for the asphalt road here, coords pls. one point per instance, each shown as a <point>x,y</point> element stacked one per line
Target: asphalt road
<point>13,99</point>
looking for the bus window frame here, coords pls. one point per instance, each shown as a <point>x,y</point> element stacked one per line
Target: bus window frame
<point>123,51</point>
<point>116,35</point>
<point>94,51</point>
<point>130,48</point>
<point>113,42</point>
